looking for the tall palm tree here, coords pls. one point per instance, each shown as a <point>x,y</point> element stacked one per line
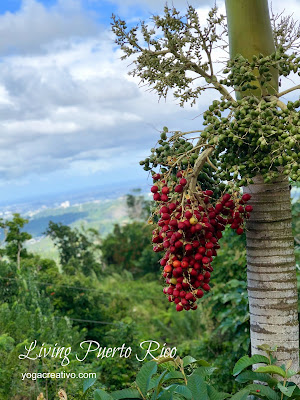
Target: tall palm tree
<point>272,283</point>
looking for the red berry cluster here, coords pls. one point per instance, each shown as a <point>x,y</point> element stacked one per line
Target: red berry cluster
<point>189,228</point>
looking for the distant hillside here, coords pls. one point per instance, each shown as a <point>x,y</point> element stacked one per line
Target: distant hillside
<point>99,214</point>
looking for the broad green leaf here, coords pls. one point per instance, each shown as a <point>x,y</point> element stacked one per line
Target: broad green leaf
<point>247,376</point>
<point>213,394</point>
<point>241,395</point>
<point>159,383</point>
<point>205,371</point>
<point>267,348</point>
<point>187,360</point>
<point>272,369</point>
<point>290,373</point>
<point>126,394</point>
<point>160,379</point>
<point>173,375</point>
<point>87,383</point>
<point>153,382</point>
<point>246,361</point>
<point>203,363</point>
<point>296,392</point>
<point>184,391</point>
<point>144,376</point>
<point>198,387</point>
<point>287,391</point>
<point>101,395</point>
<point>167,394</point>
<point>263,390</point>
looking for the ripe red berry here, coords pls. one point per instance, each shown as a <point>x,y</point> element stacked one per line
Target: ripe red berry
<point>154,189</point>
<point>170,290</point>
<point>246,197</point>
<point>172,206</point>
<point>205,260</point>
<point>248,208</point>
<point>189,296</point>
<point>164,198</point>
<point>206,287</point>
<point>178,271</point>
<point>176,263</point>
<point>181,225</point>
<point>178,188</point>
<point>239,231</point>
<point>184,264</point>
<point>168,268</point>
<point>188,214</point>
<point>165,190</point>
<point>199,293</point>
<point>183,181</point>
<point>198,257</point>
<point>188,247</point>
<point>185,285</point>
<point>179,307</point>
<point>226,197</point>
<point>156,197</point>
<point>218,208</point>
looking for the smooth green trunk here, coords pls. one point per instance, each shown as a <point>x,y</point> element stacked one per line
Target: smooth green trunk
<point>250,33</point>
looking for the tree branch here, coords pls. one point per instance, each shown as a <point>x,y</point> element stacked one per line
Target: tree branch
<point>288,91</point>
<point>201,160</point>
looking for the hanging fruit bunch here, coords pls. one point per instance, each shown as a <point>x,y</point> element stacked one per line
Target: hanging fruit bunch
<point>192,210</point>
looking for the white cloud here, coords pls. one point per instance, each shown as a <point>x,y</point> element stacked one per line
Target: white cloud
<point>32,27</point>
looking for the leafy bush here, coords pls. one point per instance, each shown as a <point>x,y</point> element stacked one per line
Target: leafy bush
<point>190,379</point>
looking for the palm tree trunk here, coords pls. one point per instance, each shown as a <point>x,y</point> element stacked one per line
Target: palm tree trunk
<point>272,284</point>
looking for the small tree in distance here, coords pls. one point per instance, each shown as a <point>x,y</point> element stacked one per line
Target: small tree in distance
<point>249,140</point>
<point>15,238</point>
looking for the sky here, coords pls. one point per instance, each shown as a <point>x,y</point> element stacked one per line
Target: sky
<point>70,116</point>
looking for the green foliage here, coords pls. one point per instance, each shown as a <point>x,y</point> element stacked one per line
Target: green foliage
<point>15,238</point>
<point>129,247</point>
<point>257,134</point>
<point>171,47</point>
<point>76,249</point>
<point>39,301</point>
<point>194,384</point>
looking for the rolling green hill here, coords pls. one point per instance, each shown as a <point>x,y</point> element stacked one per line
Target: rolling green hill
<point>100,215</point>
